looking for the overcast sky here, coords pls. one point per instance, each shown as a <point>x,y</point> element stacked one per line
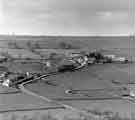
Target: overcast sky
<point>67,17</point>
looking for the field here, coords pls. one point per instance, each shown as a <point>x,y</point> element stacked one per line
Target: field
<point>91,77</point>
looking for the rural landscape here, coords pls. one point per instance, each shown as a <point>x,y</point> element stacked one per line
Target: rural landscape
<point>67,78</point>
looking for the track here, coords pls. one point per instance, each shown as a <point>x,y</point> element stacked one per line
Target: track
<point>87,99</point>
<point>14,92</point>
<point>30,109</point>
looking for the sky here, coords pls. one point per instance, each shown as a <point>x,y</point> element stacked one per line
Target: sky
<point>67,17</point>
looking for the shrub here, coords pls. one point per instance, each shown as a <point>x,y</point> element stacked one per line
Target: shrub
<point>6,55</point>
<point>64,45</point>
<point>13,45</point>
<point>14,117</point>
<point>52,56</point>
<point>37,45</point>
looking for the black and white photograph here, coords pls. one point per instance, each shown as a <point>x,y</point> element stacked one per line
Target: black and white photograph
<point>67,59</point>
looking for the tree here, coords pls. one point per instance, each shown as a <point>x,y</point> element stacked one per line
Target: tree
<point>30,46</point>
<point>13,45</point>
<point>7,55</point>
<point>37,45</point>
<point>14,117</point>
<point>64,45</point>
<point>20,55</point>
<point>52,56</point>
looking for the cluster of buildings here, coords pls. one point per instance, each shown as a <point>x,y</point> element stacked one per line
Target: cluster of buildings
<point>72,62</point>
<point>9,79</point>
<point>99,58</point>
<point>79,60</point>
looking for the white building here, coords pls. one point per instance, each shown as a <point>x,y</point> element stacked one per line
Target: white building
<point>111,56</point>
<point>48,64</point>
<point>119,59</point>
<point>132,93</point>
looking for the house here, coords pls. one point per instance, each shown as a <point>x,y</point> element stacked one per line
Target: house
<point>111,56</point>
<point>3,59</point>
<point>119,59</point>
<point>91,60</point>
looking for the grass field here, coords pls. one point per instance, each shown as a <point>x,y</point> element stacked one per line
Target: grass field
<point>92,77</point>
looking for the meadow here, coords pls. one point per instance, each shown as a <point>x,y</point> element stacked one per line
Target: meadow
<point>91,77</point>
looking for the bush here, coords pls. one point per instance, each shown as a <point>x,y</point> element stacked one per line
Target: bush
<point>29,46</point>
<point>64,45</point>
<point>13,45</point>
<point>33,45</point>
<point>53,56</point>
<point>6,55</point>
<point>37,45</point>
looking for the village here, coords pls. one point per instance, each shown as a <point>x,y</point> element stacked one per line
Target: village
<point>59,64</point>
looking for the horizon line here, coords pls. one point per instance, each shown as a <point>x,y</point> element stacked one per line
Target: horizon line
<point>65,35</point>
